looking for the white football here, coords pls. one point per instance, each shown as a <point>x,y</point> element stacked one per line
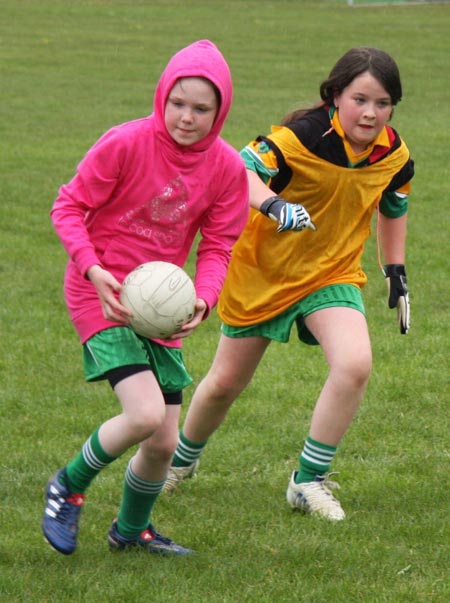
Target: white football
<point>161,296</point>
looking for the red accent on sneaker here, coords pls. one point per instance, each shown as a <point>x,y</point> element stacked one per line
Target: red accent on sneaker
<point>147,535</point>
<point>76,499</point>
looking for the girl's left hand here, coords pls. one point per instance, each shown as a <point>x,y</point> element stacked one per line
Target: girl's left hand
<point>189,327</point>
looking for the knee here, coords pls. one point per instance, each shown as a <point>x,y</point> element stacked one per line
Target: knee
<point>160,450</point>
<point>359,369</point>
<point>354,371</point>
<point>145,422</point>
<point>222,388</point>
<point>165,447</point>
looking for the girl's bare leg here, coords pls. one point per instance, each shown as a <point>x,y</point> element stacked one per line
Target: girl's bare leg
<point>233,367</point>
<point>344,338</point>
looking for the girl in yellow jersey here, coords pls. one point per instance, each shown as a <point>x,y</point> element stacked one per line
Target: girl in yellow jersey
<point>324,172</point>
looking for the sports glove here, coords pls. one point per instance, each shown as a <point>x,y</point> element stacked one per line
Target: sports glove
<point>290,216</point>
<point>398,293</point>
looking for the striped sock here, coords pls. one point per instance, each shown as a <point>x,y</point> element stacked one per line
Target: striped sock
<point>187,452</point>
<point>314,460</point>
<point>138,499</point>
<point>87,464</point>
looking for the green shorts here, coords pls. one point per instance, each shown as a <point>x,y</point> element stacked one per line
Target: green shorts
<point>279,327</point>
<point>121,346</point>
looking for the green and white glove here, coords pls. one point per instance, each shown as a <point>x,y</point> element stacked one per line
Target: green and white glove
<point>395,275</point>
<point>290,216</point>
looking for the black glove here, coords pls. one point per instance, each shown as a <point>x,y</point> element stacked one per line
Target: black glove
<point>398,293</point>
<point>290,216</point>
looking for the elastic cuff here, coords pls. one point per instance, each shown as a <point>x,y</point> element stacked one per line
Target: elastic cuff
<point>394,270</point>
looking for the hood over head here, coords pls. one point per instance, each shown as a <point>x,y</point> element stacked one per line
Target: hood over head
<point>200,59</point>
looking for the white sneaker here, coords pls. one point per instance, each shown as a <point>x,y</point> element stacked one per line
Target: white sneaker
<point>178,474</point>
<point>315,497</point>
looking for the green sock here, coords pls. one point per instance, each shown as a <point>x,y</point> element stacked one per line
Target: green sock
<point>314,460</point>
<point>138,499</point>
<point>187,452</point>
<point>87,464</point>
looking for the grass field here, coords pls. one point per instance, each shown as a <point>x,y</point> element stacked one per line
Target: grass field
<point>70,70</point>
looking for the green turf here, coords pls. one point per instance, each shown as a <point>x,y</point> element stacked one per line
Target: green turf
<point>69,71</point>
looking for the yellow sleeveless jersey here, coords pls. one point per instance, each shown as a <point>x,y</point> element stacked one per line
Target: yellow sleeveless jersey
<point>309,164</point>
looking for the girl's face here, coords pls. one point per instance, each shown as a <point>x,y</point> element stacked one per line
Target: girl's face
<point>364,109</point>
<point>190,110</point>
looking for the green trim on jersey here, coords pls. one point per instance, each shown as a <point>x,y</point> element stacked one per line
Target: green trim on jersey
<point>393,205</point>
<point>254,162</point>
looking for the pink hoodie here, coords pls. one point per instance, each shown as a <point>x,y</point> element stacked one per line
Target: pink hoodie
<point>138,196</point>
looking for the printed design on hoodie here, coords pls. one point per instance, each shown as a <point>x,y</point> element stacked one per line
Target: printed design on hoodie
<point>162,218</point>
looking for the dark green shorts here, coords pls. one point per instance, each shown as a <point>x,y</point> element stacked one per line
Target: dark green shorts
<point>279,327</point>
<point>121,346</point>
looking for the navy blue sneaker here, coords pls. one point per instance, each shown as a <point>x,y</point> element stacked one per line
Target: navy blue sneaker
<point>148,540</point>
<point>62,514</point>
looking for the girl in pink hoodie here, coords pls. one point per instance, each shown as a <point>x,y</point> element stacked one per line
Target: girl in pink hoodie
<point>142,193</point>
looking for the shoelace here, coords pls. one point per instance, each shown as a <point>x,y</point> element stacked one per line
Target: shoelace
<point>176,475</point>
<point>171,480</point>
<point>328,483</point>
<point>314,495</point>
<point>69,507</point>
